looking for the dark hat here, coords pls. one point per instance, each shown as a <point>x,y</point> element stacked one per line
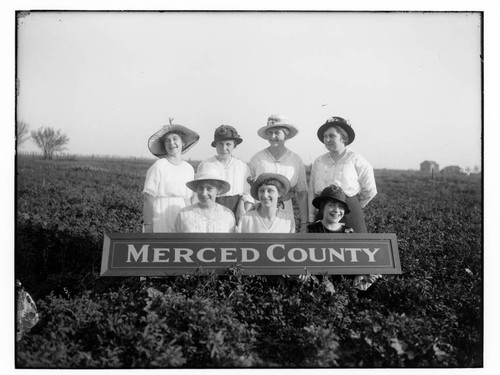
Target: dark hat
<point>254,185</point>
<point>224,132</point>
<point>156,143</point>
<point>341,123</point>
<point>332,192</point>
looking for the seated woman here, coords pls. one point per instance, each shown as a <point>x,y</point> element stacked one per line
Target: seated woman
<point>268,217</point>
<point>332,205</point>
<point>206,216</point>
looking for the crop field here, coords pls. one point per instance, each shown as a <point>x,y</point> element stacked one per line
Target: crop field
<point>429,316</point>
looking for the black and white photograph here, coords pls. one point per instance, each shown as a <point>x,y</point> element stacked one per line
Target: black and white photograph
<point>249,187</point>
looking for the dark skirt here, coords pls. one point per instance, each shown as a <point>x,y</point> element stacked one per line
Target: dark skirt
<point>230,202</point>
<point>355,218</point>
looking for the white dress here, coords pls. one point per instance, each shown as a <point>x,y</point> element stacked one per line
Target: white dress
<point>192,220</point>
<point>166,182</point>
<point>251,222</point>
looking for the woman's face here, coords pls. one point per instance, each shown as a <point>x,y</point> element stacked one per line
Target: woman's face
<point>333,212</point>
<point>173,144</point>
<point>268,195</point>
<point>276,136</point>
<point>225,148</point>
<point>333,140</point>
<point>207,192</point>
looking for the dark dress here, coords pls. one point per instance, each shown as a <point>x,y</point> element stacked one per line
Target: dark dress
<point>318,227</point>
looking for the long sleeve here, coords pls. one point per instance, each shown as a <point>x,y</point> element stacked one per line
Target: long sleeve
<point>366,178</point>
<point>312,192</point>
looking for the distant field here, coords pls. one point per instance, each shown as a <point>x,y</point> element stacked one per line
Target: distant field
<point>430,316</point>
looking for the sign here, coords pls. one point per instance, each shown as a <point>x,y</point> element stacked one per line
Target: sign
<point>162,254</point>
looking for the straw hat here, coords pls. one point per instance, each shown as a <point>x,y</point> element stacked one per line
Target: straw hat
<point>226,132</point>
<point>269,176</point>
<point>209,174</point>
<point>341,123</point>
<point>278,121</point>
<point>156,143</point>
<point>332,192</point>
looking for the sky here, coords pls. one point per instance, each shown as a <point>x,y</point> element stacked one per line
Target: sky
<point>409,83</point>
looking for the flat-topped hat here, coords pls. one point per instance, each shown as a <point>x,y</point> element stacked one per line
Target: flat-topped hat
<point>341,123</point>
<point>254,185</point>
<point>278,121</point>
<point>332,192</point>
<point>226,132</point>
<point>209,174</point>
<point>156,142</point>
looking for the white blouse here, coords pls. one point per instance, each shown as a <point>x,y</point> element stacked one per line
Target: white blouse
<point>192,220</point>
<point>236,173</point>
<point>352,173</point>
<point>289,165</point>
<point>165,179</point>
<point>251,222</point>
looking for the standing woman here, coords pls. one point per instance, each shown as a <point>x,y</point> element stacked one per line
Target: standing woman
<point>280,160</point>
<point>165,191</point>
<point>345,168</point>
<point>232,170</point>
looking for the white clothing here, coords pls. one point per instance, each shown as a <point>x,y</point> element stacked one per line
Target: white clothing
<point>289,165</point>
<point>236,173</point>
<point>352,173</point>
<point>251,222</point>
<point>166,182</point>
<point>192,220</point>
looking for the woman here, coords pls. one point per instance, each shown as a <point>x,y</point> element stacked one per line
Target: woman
<point>165,191</point>
<point>206,216</point>
<point>332,202</point>
<point>233,170</point>
<point>280,160</point>
<point>345,168</point>
<point>268,217</point>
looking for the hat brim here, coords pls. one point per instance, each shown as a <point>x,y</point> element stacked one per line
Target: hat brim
<point>269,176</point>
<point>157,146</point>
<point>292,130</point>
<point>236,140</point>
<point>225,185</point>
<point>316,202</point>
<point>323,128</point>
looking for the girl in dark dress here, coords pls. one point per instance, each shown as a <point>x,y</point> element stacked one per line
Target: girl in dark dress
<point>332,206</point>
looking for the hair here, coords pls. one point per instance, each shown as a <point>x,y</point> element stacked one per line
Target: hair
<point>179,133</point>
<point>273,182</point>
<point>342,133</point>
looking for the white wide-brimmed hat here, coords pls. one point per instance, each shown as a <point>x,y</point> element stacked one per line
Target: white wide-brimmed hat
<point>156,142</point>
<point>278,121</point>
<point>209,174</point>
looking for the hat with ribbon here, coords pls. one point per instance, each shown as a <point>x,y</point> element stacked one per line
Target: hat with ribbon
<point>226,132</point>
<point>332,192</point>
<point>257,182</point>
<point>341,123</point>
<point>209,175</point>
<point>278,121</point>
<point>156,142</point>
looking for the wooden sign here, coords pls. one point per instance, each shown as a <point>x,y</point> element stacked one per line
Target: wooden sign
<point>162,254</point>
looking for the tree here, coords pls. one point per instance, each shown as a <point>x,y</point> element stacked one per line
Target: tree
<point>49,141</point>
<point>22,132</point>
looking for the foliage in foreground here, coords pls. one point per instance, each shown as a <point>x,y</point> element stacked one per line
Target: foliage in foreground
<point>430,316</point>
